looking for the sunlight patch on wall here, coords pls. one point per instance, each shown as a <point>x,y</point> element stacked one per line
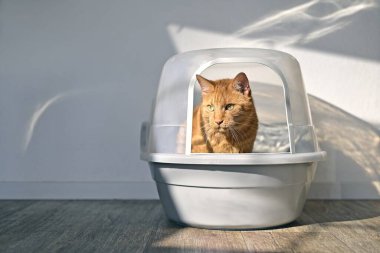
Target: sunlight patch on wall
<point>34,119</point>
<point>39,112</point>
<point>376,184</point>
<point>303,23</point>
<point>298,25</point>
<point>335,78</point>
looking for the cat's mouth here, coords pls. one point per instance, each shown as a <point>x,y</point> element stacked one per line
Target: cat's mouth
<point>220,129</point>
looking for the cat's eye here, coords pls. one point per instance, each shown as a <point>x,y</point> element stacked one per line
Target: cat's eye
<point>229,107</point>
<point>210,108</point>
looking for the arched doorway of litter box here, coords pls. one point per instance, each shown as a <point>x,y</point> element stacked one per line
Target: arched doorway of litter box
<point>268,91</point>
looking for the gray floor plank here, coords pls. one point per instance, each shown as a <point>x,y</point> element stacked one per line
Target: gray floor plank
<point>116,227</point>
<point>355,223</point>
<point>261,241</point>
<point>141,226</point>
<point>170,237</point>
<point>9,207</point>
<point>88,226</point>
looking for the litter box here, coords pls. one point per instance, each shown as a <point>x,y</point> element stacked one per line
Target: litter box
<point>265,188</point>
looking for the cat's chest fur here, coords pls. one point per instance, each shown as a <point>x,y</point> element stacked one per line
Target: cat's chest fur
<point>223,143</point>
<point>220,143</point>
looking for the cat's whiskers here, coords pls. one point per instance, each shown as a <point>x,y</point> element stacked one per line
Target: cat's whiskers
<point>242,124</point>
<point>207,129</point>
<point>242,135</point>
<point>235,134</point>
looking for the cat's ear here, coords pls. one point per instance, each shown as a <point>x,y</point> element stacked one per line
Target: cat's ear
<point>241,84</point>
<point>206,85</point>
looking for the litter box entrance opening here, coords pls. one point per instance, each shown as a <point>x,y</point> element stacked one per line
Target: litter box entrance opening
<point>267,90</point>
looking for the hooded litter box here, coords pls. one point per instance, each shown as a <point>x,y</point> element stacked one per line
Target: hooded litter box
<point>264,188</point>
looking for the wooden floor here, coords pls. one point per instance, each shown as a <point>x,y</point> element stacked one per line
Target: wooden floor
<point>141,226</point>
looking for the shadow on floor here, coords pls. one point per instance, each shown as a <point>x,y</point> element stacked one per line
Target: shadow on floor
<point>325,225</point>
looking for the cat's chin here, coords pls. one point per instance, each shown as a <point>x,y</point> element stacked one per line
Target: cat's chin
<point>220,130</point>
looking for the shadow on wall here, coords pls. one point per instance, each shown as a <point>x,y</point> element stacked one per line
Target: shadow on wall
<point>303,23</point>
<point>316,25</point>
<point>352,167</point>
<point>316,33</point>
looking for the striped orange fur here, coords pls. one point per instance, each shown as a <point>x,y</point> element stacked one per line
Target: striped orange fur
<point>226,120</point>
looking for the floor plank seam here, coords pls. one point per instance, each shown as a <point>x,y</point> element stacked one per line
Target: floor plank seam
<point>245,243</point>
<point>275,241</point>
<point>340,240</point>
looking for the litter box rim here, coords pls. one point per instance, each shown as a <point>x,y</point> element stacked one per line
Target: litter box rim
<point>235,159</point>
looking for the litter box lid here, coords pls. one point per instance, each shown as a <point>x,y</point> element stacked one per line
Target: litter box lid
<point>167,136</point>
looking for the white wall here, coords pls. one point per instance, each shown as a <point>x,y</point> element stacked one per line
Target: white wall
<point>77,78</point>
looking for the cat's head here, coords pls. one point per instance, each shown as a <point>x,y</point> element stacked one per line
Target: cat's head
<point>226,103</point>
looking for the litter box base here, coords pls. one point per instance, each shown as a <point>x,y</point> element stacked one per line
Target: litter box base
<point>233,197</point>
<point>246,228</point>
<point>239,208</point>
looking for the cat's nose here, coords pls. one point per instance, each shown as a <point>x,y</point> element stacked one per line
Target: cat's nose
<point>218,122</point>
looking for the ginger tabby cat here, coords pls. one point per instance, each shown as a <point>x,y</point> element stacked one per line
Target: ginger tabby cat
<point>225,121</point>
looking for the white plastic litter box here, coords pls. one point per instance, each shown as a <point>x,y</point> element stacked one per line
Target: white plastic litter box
<point>265,188</point>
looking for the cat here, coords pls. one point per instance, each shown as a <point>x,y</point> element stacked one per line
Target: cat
<point>225,121</point>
